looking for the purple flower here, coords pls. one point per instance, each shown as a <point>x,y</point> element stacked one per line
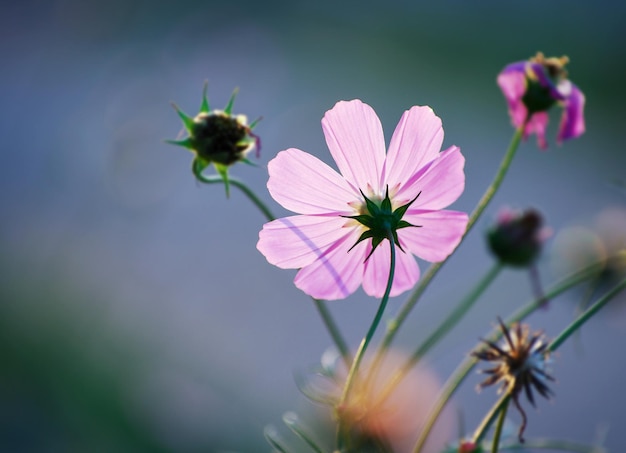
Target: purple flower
<point>327,241</point>
<point>532,87</point>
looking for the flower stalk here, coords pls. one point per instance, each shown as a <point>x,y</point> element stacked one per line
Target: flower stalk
<point>342,430</point>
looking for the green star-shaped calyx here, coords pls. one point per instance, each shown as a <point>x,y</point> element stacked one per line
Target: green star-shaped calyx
<point>381,221</point>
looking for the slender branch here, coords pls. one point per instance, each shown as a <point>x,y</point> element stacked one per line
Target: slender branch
<point>496,437</point>
<point>341,434</point>
<point>585,316</point>
<point>217,179</point>
<point>500,407</point>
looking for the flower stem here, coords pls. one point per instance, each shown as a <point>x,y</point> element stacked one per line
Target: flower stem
<point>341,428</point>
<point>217,179</point>
<point>463,370</point>
<point>496,437</point>
<point>327,318</point>
<point>448,324</point>
<point>500,407</point>
<point>395,324</point>
<point>585,316</point>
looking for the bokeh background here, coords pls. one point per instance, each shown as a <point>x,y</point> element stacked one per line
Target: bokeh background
<point>136,313</point>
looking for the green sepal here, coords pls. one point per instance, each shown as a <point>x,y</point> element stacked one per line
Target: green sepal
<point>223,172</point>
<point>247,161</point>
<point>198,166</point>
<point>204,107</point>
<point>229,107</point>
<point>399,213</point>
<point>255,122</point>
<point>186,143</point>
<point>187,120</point>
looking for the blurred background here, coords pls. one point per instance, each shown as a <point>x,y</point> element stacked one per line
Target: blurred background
<point>136,313</point>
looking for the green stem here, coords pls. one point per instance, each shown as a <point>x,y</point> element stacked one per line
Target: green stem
<point>500,407</point>
<point>496,437</point>
<point>463,370</point>
<point>585,316</point>
<point>448,324</point>
<point>395,324</point>
<point>341,429</point>
<point>217,179</point>
<point>327,319</point>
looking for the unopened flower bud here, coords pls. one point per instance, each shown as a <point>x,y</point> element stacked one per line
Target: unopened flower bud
<point>217,137</point>
<point>517,237</point>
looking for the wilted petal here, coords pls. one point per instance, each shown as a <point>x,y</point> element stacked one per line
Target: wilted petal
<point>442,182</point>
<point>512,82</point>
<point>304,184</point>
<point>416,141</point>
<point>296,241</point>
<point>377,269</point>
<point>537,125</point>
<point>355,139</point>
<point>572,122</point>
<point>337,273</point>
<point>438,235</point>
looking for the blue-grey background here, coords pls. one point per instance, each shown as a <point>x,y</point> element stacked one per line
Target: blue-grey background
<point>136,313</point>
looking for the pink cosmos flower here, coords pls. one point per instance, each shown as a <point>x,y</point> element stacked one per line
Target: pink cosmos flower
<point>324,242</point>
<point>533,87</point>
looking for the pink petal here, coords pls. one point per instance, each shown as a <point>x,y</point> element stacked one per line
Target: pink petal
<point>297,241</point>
<point>337,273</point>
<point>355,139</point>
<point>304,184</point>
<point>441,183</point>
<point>512,82</point>
<point>572,122</point>
<point>438,236</point>
<point>377,267</point>
<point>537,125</point>
<point>416,141</point>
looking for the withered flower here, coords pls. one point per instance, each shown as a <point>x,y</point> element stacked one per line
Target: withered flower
<point>521,362</point>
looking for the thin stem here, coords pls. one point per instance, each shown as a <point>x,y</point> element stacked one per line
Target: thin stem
<point>217,179</point>
<point>463,370</point>
<point>364,343</point>
<point>496,437</point>
<point>442,330</point>
<point>327,318</point>
<point>500,407</point>
<point>394,325</point>
<point>585,316</point>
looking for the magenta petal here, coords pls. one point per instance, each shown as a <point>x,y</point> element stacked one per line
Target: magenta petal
<point>572,122</point>
<point>438,235</point>
<point>377,267</point>
<point>304,184</point>
<point>355,139</point>
<point>537,125</point>
<point>440,184</point>
<point>512,82</point>
<point>416,141</point>
<point>337,273</point>
<point>296,241</point>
